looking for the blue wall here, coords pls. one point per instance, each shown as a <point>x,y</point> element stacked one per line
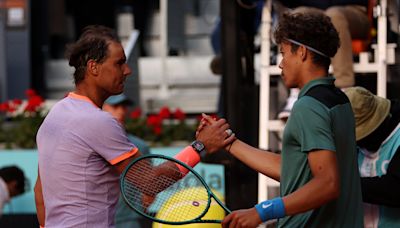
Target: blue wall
<point>27,160</point>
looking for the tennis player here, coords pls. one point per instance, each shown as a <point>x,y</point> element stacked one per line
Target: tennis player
<point>317,168</point>
<point>83,149</point>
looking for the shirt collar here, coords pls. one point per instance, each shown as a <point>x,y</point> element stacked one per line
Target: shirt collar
<point>320,81</point>
<point>81,97</point>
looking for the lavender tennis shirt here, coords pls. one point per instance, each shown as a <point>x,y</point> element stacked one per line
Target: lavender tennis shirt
<point>78,144</point>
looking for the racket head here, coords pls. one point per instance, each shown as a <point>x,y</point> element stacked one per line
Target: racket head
<point>189,197</point>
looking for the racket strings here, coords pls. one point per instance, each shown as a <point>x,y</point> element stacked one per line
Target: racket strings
<point>186,197</point>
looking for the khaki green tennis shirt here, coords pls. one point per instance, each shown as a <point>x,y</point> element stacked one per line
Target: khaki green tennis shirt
<point>322,119</point>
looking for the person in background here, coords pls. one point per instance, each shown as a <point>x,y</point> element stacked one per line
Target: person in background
<point>317,168</point>
<point>118,107</point>
<point>82,149</point>
<point>378,137</point>
<point>12,184</point>
<point>350,19</point>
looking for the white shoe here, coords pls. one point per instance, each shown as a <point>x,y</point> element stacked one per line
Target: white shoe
<point>285,113</point>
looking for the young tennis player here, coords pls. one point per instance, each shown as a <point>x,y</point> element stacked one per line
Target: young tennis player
<point>83,149</point>
<point>317,168</point>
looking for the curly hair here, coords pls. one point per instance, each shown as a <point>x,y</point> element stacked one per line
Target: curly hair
<point>91,45</point>
<point>312,29</point>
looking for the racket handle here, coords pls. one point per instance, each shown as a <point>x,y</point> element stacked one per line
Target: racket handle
<point>188,156</point>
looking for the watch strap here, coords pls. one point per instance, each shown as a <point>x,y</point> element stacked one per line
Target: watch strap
<point>199,148</point>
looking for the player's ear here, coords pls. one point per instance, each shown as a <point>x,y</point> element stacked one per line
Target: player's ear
<point>92,66</point>
<point>303,52</point>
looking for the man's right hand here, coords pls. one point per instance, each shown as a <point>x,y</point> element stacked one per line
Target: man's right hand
<point>213,134</point>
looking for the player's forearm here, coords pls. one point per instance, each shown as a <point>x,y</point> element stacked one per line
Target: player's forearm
<point>265,162</point>
<point>40,209</point>
<point>314,194</point>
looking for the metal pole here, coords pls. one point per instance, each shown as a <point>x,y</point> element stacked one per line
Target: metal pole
<point>163,90</point>
<point>264,93</point>
<point>382,49</point>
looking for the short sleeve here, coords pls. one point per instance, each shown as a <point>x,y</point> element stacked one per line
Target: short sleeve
<point>313,122</point>
<point>109,140</point>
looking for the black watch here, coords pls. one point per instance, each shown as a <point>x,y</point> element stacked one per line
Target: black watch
<point>199,148</point>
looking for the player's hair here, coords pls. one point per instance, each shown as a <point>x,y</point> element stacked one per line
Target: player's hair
<point>312,29</point>
<point>91,45</point>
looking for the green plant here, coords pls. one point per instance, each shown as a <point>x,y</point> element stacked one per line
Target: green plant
<point>20,121</point>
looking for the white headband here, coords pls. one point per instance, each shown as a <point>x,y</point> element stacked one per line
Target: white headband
<point>308,47</point>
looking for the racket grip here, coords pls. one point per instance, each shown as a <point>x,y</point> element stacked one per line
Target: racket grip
<point>188,156</point>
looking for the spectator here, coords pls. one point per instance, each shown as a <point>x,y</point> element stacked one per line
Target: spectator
<point>378,136</point>
<point>12,184</point>
<point>350,20</point>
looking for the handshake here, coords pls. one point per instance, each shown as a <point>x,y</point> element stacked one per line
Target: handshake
<point>214,134</point>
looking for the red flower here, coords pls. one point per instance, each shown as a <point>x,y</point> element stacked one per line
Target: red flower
<point>30,93</point>
<point>4,107</point>
<point>154,120</point>
<point>30,108</point>
<point>164,113</point>
<point>11,109</point>
<point>136,113</point>
<point>179,114</point>
<point>17,101</point>
<point>33,103</point>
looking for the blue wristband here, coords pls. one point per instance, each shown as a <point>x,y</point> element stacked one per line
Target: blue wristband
<point>271,209</point>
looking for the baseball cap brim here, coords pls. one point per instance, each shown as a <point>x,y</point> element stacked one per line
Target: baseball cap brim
<point>118,99</point>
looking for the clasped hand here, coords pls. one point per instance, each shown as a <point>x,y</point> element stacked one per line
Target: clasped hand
<point>214,134</point>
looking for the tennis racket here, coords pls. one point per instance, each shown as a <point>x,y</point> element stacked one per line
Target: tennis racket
<point>167,191</point>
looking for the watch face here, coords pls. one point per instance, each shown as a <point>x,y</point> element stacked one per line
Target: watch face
<point>198,146</point>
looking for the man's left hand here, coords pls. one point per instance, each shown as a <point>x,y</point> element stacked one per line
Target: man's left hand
<point>245,218</point>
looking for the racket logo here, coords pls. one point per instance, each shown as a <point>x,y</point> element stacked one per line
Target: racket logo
<point>265,206</point>
<point>195,203</point>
